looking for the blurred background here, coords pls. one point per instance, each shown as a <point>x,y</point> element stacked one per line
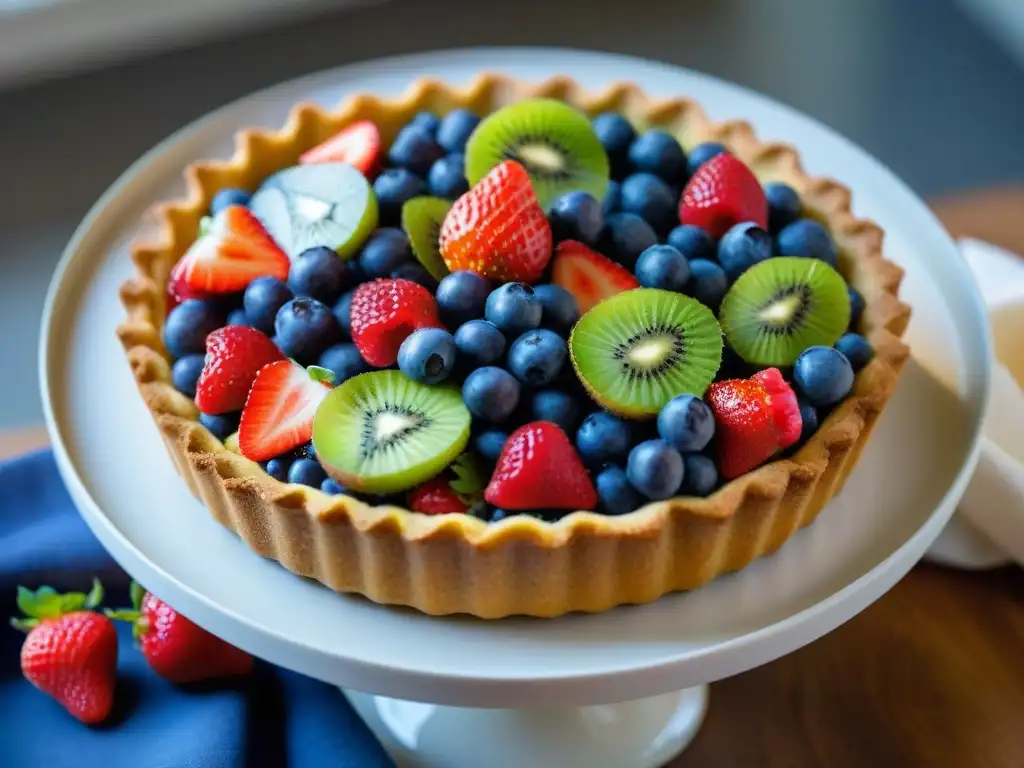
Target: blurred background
<point>934,88</point>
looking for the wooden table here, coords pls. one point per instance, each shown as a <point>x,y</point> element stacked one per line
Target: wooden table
<point>930,676</point>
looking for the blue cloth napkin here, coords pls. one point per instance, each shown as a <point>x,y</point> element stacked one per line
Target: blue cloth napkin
<point>273,718</point>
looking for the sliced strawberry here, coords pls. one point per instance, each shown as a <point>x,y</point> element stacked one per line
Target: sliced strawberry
<point>539,469</point>
<point>498,229</point>
<point>784,406</point>
<point>178,290</point>
<point>231,253</point>
<point>234,355</point>
<point>436,497</point>
<point>384,313</point>
<point>358,145</point>
<point>587,275</point>
<point>278,415</point>
<point>723,192</point>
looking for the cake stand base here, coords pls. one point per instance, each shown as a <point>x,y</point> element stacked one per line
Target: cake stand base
<point>645,733</point>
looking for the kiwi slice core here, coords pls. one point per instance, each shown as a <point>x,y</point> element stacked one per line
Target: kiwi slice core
<point>422,218</point>
<point>637,350</point>
<point>778,308</point>
<point>554,142</point>
<point>381,432</point>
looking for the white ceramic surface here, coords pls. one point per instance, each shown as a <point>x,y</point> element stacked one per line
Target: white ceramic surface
<point>894,505</point>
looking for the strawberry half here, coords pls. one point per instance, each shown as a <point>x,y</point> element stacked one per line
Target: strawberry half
<point>587,275</point>
<point>358,145</point>
<point>539,469</point>
<point>498,229</point>
<point>755,418</point>
<point>178,290</point>
<point>278,415</point>
<point>436,497</point>
<point>233,251</point>
<point>723,192</point>
<point>383,313</point>
<point>234,355</point>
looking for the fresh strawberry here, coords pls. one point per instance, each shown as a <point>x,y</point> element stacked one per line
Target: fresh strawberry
<point>178,290</point>
<point>231,252</point>
<point>539,469</point>
<point>588,276</point>
<point>436,497</point>
<point>175,648</point>
<point>385,312</point>
<point>71,651</point>
<point>278,415</point>
<point>498,229</point>
<point>358,145</point>
<point>234,355</point>
<point>755,418</point>
<point>723,192</point>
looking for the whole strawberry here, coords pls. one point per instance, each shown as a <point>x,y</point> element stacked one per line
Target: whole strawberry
<point>175,648</point>
<point>723,192</point>
<point>455,490</point>
<point>385,312</point>
<point>71,651</point>
<point>234,355</point>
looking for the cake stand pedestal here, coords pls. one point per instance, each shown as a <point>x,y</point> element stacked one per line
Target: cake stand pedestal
<point>519,692</point>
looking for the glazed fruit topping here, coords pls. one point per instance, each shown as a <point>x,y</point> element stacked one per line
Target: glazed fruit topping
<point>234,355</point>
<point>384,313</point>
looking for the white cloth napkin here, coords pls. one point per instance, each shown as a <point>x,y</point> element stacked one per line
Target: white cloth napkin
<point>993,505</point>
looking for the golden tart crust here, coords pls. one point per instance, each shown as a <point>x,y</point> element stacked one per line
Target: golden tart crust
<point>456,563</point>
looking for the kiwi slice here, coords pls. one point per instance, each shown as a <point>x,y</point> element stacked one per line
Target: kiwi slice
<point>554,142</point>
<point>780,307</point>
<point>382,432</point>
<point>637,350</point>
<point>421,219</point>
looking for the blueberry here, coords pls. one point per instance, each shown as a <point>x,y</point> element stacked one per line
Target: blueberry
<point>393,188</point>
<point>559,308</point>
<point>227,197</point>
<point>220,425</point>
<point>497,514</point>
<point>823,375</point>
<point>278,468</point>
<point>649,197</point>
<point>856,348</point>
<point>615,496</point>
<point>612,202</point>
<point>536,358</point>
<point>456,128</point>
<point>491,394</point>
<point>616,136</point>
<point>344,360</point>
<point>479,343</point>
<point>427,122</point>
<point>308,450</point>
<point>447,177</point>
<point>307,472</point>
<point>625,237</point>
<point>576,216</point>
<point>784,206</point>
<point>237,317</point>
<point>700,476</point>
<point>655,469</point>
<point>427,355</point>
<point>514,308</point>
<point>556,406</point>
<point>356,273</point>
<point>856,306</point>
<point>806,238</point>
<point>415,272</point>
<point>188,325</point>
<point>304,328</point>
<point>185,373</point>
<point>601,438</point>
<point>743,246</point>
<point>262,299</point>
<point>659,153</point>
<point>415,150</point>
<point>385,251</point>
<point>662,266</point>
<point>701,154</point>
<point>342,313</point>
<point>489,444</point>
<point>332,487</point>
<point>686,423</point>
<point>461,297</point>
<point>708,283</point>
<point>319,272</point>
<point>693,242</point>
<point>808,419</point>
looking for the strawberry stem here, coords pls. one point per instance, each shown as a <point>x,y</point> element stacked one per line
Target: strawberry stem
<point>134,614</point>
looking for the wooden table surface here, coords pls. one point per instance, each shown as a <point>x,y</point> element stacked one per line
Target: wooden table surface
<point>930,676</point>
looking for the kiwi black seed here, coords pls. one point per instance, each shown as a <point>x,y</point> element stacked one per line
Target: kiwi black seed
<point>554,142</point>
<point>780,307</point>
<point>422,218</point>
<point>637,350</point>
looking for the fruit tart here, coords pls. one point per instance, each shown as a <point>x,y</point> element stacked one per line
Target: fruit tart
<point>513,349</point>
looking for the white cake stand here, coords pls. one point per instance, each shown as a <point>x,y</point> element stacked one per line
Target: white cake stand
<point>519,692</point>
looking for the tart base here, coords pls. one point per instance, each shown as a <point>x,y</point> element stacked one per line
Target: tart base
<point>454,564</point>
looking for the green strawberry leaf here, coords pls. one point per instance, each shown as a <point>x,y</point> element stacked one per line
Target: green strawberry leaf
<point>121,614</point>
<point>316,373</point>
<point>26,601</point>
<point>95,596</point>
<point>204,225</point>
<point>469,479</point>
<point>137,592</point>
